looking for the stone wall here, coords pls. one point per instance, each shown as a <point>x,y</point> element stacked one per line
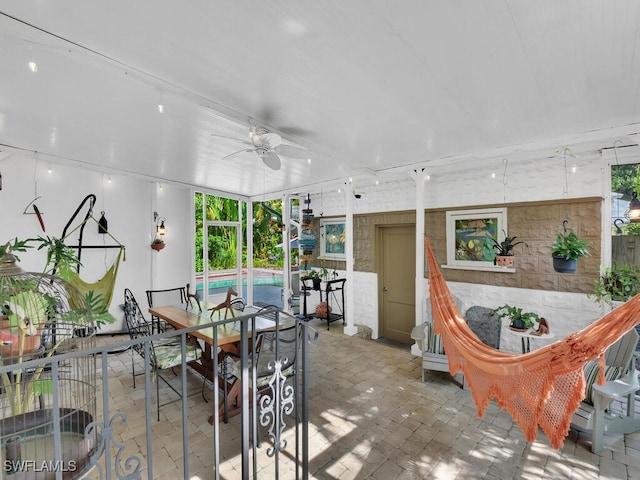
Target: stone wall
<point>537,224</point>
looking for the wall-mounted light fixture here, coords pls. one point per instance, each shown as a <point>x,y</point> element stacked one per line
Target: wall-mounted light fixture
<point>161,229</point>
<point>634,209</point>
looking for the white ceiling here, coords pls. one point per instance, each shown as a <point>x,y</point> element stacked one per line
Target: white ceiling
<point>365,85</point>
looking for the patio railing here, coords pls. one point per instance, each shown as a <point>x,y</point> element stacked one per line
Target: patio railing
<point>113,452</point>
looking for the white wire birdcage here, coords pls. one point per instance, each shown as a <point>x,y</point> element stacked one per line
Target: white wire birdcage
<point>43,317</point>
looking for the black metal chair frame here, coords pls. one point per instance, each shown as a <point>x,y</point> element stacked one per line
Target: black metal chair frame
<point>139,327</point>
<point>181,297</point>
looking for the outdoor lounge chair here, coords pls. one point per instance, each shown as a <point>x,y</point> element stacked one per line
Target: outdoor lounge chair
<point>433,354</point>
<point>622,383</point>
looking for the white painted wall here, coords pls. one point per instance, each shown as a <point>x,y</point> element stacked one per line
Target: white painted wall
<point>476,183</point>
<point>128,203</point>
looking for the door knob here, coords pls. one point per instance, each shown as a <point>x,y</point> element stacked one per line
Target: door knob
<point>385,289</point>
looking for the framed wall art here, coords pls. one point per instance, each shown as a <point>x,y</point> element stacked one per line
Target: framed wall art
<point>468,232</point>
<point>332,238</point>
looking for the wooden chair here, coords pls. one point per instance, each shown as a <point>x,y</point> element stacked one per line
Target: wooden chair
<point>433,354</point>
<point>162,355</point>
<point>622,383</point>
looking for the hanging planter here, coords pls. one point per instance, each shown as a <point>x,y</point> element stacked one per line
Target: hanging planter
<point>566,250</point>
<point>157,245</point>
<point>565,265</point>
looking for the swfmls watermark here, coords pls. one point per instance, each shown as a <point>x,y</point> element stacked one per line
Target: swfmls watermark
<point>15,466</point>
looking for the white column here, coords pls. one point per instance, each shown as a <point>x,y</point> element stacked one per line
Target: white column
<point>249,252</point>
<point>350,328</point>
<point>286,253</point>
<point>419,177</point>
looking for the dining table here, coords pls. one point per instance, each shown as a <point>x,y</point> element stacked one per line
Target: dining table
<point>228,334</point>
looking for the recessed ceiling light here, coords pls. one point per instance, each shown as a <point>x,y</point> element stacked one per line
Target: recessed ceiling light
<point>33,66</point>
<point>161,108</point>
<point>294,28</point>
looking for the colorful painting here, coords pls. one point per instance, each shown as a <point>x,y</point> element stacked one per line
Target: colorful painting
<point>333,239</point>
<point>471,239</point>
<point>468,234</point>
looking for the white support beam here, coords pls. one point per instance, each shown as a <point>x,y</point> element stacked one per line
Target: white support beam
<point>350,328</point>
<point>419,176</point>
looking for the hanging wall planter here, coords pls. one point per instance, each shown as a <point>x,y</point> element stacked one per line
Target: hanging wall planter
<point>157,246</point>
<point>565,265</point>
<point>566,250</point>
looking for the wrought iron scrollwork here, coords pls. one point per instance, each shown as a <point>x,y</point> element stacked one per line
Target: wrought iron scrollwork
<point>274,405</point>
<point>129,468</point>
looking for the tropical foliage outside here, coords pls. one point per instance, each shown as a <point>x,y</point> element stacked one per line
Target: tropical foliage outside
<point>222,240</point>
<point>625,180</point>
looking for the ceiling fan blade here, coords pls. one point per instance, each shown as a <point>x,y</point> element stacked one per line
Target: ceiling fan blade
<point>272,160</point>
<point>237,153</point>
<point>291,151</point>
<point>235,139</point>
<point>294,131</point>
<point>268,140</point>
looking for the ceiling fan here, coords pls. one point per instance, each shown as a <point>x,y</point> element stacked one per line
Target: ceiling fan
<point>268,146</point>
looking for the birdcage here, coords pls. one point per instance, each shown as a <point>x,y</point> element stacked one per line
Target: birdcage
<point>47,387</point>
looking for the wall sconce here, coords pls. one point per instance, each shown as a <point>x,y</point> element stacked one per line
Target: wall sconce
<point>161,229</point>
<point>634,209</point>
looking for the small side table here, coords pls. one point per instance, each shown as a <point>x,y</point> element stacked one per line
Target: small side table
<point>526,337</point>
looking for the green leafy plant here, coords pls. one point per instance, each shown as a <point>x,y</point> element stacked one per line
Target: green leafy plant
<point>569,247</point>
<point>506,246</point>
<point>28,303</point>
<point>515,314</point>
<point>619,283</point>
<point>326,274</point>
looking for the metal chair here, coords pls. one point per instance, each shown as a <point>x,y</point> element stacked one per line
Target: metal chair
<point>167,296</point>
<point>271,347</point>
<point>162,355</point>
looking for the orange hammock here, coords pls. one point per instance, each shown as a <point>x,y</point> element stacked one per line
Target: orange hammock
<point>542,388</point>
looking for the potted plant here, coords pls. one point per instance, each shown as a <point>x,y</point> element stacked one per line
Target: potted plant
<point>315,278</point>
<point>43,315</point>
<point>504,250</point>
<point>326,274</point>
<point>566,250</point>
<point>617,284</point>
<point>518,319</point>
<point>157,244</point>
<point>28,302</point>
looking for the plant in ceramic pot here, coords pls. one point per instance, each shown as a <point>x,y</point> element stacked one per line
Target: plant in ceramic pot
<point>519,320</point>
<point>504,250</point>
<point>566,250</point>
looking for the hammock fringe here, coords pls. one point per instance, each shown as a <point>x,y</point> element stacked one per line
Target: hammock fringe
<point>555,383</point>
